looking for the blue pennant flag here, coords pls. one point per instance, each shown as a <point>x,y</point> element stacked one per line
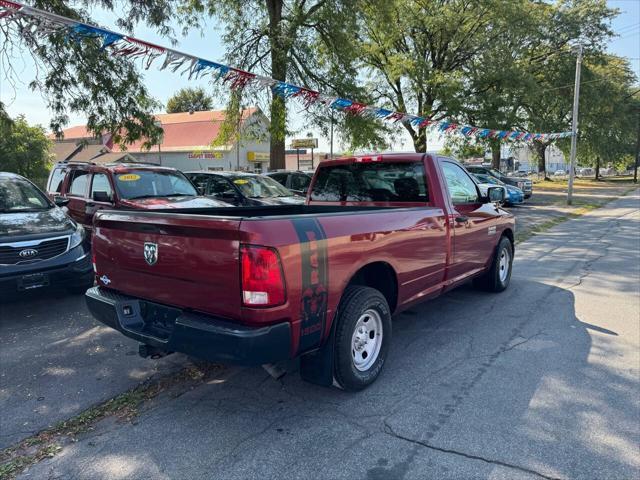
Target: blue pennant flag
<point>285,90</point>
<point>382,112</point>
<point>206,64</point>
<point>108,38</point>
<point>341,103</point>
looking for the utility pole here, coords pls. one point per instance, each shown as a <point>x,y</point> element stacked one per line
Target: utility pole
<point>637,156</point>
<point>574,125</point>
<point>238,125</point>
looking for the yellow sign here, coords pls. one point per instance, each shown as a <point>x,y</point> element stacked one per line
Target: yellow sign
<point>258,156</point>
<point>241,181</point>
<point>129,177</point>
<point>304,143</point>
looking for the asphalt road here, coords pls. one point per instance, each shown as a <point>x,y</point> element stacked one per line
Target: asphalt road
<point>541,381</point>
<point>56,361</point>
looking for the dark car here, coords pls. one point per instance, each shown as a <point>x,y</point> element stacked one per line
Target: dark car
<point>243,189</point>
<point>297,182</point>
<point>39,244</point>
<point>91,187</point>
<point>523,184</point>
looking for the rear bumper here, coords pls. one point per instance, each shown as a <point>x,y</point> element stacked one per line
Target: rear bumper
<point>194,334</point>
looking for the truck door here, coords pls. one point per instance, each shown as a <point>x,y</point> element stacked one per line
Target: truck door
<point>100,197</point>
<point>473,223</point>
<point>78,190</point>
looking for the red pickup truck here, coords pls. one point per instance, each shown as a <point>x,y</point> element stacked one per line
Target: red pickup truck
<point>320,281</point>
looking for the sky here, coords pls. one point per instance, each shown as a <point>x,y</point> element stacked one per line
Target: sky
<point>20,100</point>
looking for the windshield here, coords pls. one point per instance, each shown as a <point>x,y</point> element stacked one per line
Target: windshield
<point>260,187</point>
<point>17,195</point>
<point>148,183</point>
<point>488,179</point>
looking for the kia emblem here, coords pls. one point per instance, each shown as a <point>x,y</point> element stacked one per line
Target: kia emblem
<point>28,253</point>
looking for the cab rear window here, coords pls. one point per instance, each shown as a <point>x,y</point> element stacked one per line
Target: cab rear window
<point>371,182</point>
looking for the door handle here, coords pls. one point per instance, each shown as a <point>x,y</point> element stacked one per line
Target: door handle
<point>462,219</point>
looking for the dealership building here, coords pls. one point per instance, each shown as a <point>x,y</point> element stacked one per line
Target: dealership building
<point>186,143</point>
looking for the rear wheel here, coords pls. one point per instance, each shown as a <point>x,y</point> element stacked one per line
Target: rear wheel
<point>497,278</point>
<point>363,336</point>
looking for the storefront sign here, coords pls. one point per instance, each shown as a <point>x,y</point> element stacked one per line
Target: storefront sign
<point>304,143</point>
<point>258,156</point>
<point>206,155</point>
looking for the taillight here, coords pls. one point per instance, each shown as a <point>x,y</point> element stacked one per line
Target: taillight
<point>262,279</point>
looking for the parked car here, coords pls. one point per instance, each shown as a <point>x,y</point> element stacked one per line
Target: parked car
<point>559,173</point>
<point>39,244</point>
<point>523,184</point>
<point>243,189</point>
<point>297,182</point>
<point>513,195</point>
<point>320,281</point>
<point>89,188</point>
<point>585,172</point>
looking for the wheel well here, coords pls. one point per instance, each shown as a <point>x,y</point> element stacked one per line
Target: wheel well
<point>382,277</point>
<point>509,234</point>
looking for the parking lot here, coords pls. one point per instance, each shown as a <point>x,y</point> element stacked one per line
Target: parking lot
<point>540,381</point>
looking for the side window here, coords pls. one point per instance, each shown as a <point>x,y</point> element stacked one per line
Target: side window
<point>461,188</point>
<point>56,181</point>
<point>101,183</point>
<point>220,186</point>
<point>200,181</point>
<point>79,183</point>
<point>281,178</point>
<point>300,182</point>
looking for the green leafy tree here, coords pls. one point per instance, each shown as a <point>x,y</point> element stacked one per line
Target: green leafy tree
<point>189,100</point>
<point>421,54</point>
<point>299,41</point>
<point>81,77</point>
<point>24,149</point>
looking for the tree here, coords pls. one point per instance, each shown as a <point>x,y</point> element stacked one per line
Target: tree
<point>24,149</point>
<point>298,41</point>
<point>420,54</point>
<point>81,76</point>
<point>189,100</point>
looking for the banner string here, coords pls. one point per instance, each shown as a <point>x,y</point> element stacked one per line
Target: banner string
<point>35,22</point>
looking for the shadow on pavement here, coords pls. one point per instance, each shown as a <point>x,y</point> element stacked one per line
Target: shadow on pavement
<point>478,386</point>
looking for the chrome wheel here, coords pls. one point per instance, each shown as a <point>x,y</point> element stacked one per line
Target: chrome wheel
<point>504,265</point>
<point>366,340</point>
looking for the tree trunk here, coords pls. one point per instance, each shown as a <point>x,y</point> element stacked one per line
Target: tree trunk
<point>495,155</point>
<point>278,72</point>
<point>420,141</point>
<point>597,168</point>
<point>541,148</point>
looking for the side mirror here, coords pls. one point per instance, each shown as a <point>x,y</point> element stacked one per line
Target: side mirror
<point>496,194</point>
<point>60,201</point>
<point>101,197</point>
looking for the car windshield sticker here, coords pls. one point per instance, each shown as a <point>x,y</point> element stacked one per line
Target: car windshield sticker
<point>129,177</point>
<point>240,181</point>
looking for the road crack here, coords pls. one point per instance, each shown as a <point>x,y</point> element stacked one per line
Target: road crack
<point>388,430</point>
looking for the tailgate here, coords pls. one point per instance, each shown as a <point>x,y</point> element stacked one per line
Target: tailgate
<point>187,261</point>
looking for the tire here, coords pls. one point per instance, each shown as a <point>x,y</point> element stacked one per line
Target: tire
<point>360,356</point>
<point>497,278</point>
